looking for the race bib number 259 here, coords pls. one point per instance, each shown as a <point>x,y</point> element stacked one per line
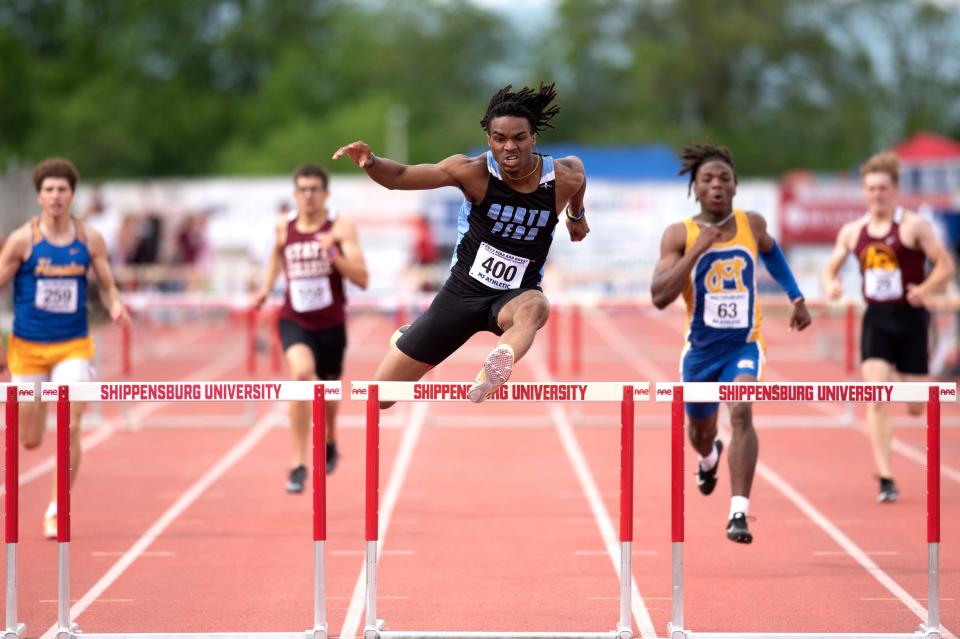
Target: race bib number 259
<point>56,295</point>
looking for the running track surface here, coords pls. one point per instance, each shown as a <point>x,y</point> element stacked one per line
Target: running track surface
<point>498,513</point>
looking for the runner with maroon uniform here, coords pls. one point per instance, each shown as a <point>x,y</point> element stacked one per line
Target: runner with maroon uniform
<point>892,246</point>
<point>317,250</point>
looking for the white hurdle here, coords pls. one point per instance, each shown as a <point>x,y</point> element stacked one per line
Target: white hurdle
<point>933,394</point>
<point>625,393</point>
<point>247,391</point>
<point>12,395</point>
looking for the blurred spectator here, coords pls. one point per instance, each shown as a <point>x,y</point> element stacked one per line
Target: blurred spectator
<point>149,235</point>
<point>98,216</point>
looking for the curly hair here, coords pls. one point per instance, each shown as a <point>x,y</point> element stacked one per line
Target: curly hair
<point>55,168</point>
<point>699,154</point>
<point>525,103</point>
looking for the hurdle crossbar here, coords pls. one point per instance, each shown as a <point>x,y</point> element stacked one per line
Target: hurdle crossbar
<point>626,393</point>
<point>12,395</point>
<point>316,392</point>
<point>699,392</point>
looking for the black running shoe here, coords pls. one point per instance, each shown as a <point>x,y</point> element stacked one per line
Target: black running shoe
<point>888,491</point>
<point>296,480</point>
<point>333,456</point>
<point>737,529</point>
<point>707,479</point>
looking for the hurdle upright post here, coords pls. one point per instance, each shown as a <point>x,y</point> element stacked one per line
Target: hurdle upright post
<point>373,625</point>
<point>319,511</point>
<point>64,627</point>
<point>624,627</point>
<point>13,629</point>
<point>675,628</point>
<point>932,628</point>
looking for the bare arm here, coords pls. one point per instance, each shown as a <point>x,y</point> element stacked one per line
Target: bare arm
<point>778,268</point>
<point>273,264</point>
<point>109,295</point>
<point>453,171</point>
<point>13,253</point>
<point>349,261</point>
<point>832,286</point>
<point>673,269</point>
<point>943,266</point>
<point>574,173</point>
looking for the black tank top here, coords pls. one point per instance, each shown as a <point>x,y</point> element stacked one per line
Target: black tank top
<point>503,242</point>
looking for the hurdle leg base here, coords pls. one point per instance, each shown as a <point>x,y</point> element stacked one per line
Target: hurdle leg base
<point>676,632</point>
<point>17,632</point>
<point>319,632</point>
<point>373,632</point>
<point>929,633</point>
<point>624,632</point>
<point>69,632</point>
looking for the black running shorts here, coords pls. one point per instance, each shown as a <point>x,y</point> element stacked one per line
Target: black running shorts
<point>452,319</point>
<point>326,344</point>
<point>897,333</point>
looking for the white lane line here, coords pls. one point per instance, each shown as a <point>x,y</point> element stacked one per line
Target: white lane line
<point>846,543</point>
<point>411,435</point>
<point>360,553</point>
<point>226,462</point>
<point>841,553</point>
<point>915,455</point>
<point>120,553</point>
<point>142,410</point>
<point>582,470</point>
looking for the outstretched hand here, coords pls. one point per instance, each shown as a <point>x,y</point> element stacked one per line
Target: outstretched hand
<point>578,229</point>
<point>358,151</point>
<point>800,317</point>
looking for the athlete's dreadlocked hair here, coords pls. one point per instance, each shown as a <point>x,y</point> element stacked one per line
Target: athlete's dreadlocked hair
<point>697,155</point>
<point>525,103</point>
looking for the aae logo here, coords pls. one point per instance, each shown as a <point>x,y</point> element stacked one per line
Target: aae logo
<point>948,392</point>
<point>664,392</point>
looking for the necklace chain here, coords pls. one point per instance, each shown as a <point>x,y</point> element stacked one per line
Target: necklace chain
<point>723,221</point>
<point>536,165</point>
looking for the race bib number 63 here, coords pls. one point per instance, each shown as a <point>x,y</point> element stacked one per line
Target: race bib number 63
<point>498,269</point>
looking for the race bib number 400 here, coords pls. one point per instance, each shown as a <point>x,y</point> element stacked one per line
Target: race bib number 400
<point>726,310</point>
<point>310,294</point>
<point>56,295</point>
<point>498,269</point>
<point>882,284</point>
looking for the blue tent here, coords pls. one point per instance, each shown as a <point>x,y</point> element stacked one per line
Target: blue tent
<point>640,162</point>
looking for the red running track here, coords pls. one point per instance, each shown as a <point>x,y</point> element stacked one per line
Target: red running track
<point>492,527</point>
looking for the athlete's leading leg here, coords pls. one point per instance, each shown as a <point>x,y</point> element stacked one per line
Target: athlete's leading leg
<point>302,367</point>
<point>878,428</point>
<point>744,445</point>
<point>519,319</point>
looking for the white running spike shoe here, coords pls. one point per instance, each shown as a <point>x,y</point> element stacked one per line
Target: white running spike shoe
<point>496,371</point>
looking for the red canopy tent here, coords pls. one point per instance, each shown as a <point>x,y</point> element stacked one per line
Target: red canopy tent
<point>927,148</point>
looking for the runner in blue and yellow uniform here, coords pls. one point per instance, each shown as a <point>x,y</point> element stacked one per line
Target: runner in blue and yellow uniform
<point>711,259</point>
<point>48,258</point>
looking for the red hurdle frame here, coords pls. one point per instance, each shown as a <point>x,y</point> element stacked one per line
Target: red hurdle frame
<point>11,503</point>
<point>909,392</point>
<point>625,393</point>
<point>290,391</point>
